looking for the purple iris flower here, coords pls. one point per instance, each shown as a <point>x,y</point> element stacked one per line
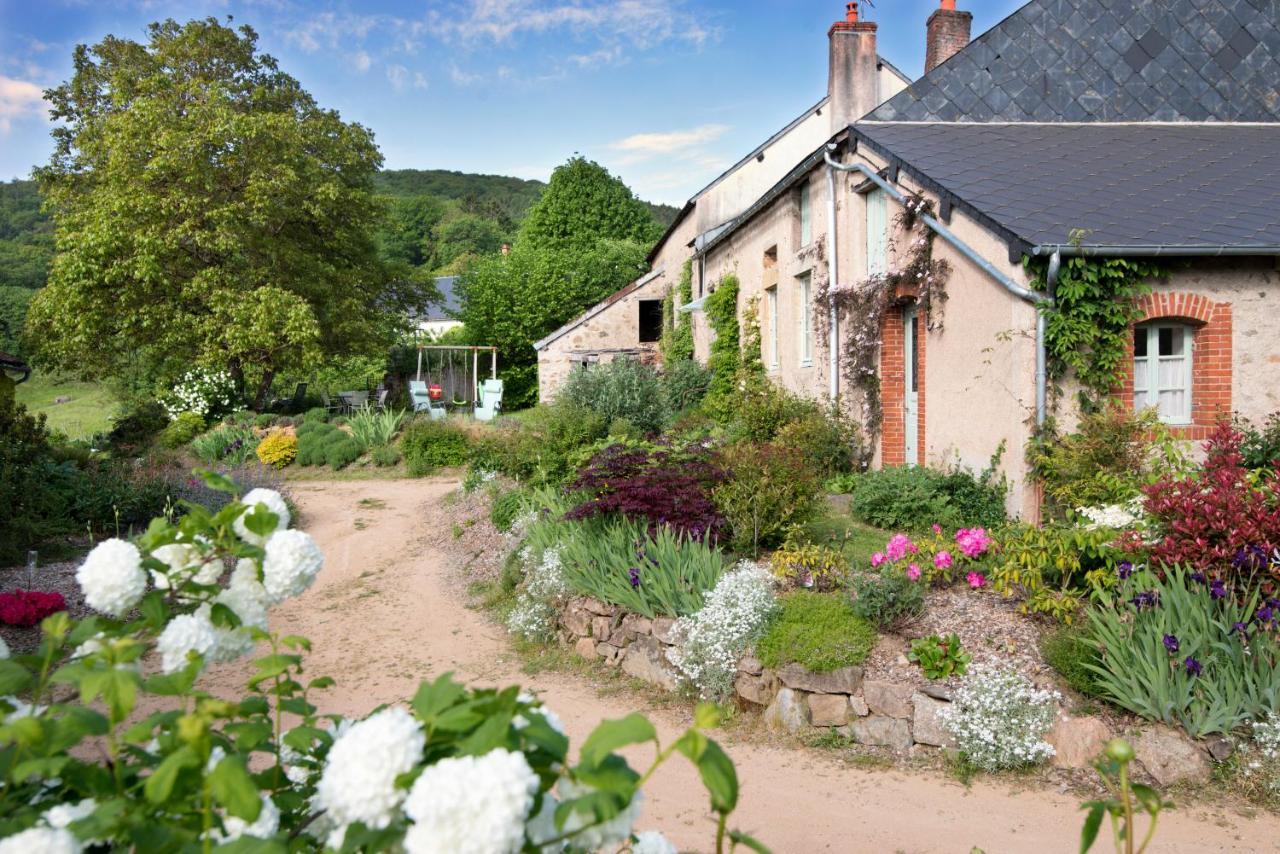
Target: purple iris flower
<point>1146,599</point>
<point>1197,577</point>
<point>1251,559</point>
<point>1171,643</point>
<point>1240,629</point>
<point>635,577</point>
<point>1265,615</point>
<point>1193,667</point>
<point>1125,568</point>
<point>1218,589</point>
<point>1273,603</point>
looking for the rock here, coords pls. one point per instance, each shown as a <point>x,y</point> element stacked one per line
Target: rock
<point>585,647</point>
<point>787,712</point>
<point>751,665</point>
<point>756,689</point>
<point>645,659</point>
<point>662,629</point>
<point>600,628</point>
<point>62,398</point>
<point>926,725</point>
<point>846,680</point>
<point>1220,747</point>
<point>937,692</point>
<point>1077,741</point>
<point>577,620</point>
<point>610,653</point>
<point>595,606</point>
<point>620,637</point>
<point>1170,757</point>
<point>828,709</point>
<point>635,625</point>
<point>888,698</point>
<point>881,731</point>
<point>858,706</point>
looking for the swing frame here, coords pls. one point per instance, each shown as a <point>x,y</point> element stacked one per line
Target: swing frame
<point>474,352</point>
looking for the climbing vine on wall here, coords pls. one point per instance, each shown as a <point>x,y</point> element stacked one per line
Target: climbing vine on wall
<point>860,309</point>
<point>725,358</point>
<point>677,329</point>
<point>1087,329</point>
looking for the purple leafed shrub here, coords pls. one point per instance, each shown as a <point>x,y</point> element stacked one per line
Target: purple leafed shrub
<point>665,486</point>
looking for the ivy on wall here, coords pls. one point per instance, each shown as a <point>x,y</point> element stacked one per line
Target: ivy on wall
<point>727,362</point>
<point>1088,326</point>
<point>861,309</point>
<point>677,330</point>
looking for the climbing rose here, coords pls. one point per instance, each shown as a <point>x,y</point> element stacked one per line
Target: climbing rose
<point>471,805</point>
<point>41,840</point>
<point>111,577</point>
<point>652,842</point>
<point>359,778</point>
<point>273,501</point>
<point>187,633</point>
<point>292,562</point>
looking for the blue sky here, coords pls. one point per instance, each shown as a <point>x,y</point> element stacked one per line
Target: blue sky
<point>666,93</point>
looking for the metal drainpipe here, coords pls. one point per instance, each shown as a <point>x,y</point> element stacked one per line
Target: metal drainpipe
<point>1040,301</point>
<point>833,252</point>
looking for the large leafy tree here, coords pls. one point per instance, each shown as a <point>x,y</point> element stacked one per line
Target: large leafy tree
<point>194,186</point>
<point>585,238</point>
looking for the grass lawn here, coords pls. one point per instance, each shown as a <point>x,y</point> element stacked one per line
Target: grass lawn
<point>835,526</point>
<point>88,411</point>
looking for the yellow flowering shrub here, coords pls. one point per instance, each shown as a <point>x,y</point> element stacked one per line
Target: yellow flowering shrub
<point>278,448</point>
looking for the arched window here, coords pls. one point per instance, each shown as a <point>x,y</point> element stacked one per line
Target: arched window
<point>1162,369</point>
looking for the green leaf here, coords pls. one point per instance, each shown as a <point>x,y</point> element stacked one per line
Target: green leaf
<point>153,609</point>
<point>13,677</point>
<point>433,698</point>
<point>611,735</point>
<point>260,520</point>
<point>1092,822</point>
<point>714,767</point>
<point>737,837</point>
<point>218,482</point>
<point>252,845</point>
<point>234,789</point>
<point>159,785</point>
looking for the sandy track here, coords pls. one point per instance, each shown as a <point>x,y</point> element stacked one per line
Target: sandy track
<point>387,612</point>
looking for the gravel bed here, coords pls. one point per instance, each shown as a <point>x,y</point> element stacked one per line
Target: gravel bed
<point>472,537</point>
<point>53,577</point>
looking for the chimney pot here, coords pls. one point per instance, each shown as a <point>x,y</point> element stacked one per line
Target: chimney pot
<point>949,5</point>
<point>851,12</point>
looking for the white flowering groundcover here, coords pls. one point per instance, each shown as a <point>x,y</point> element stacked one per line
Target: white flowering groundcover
<point>455,770</point>
<point>999,719</point>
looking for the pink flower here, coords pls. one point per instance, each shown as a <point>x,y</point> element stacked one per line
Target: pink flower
<point>899,546</point>
<point>913,572</point>
<point>973,541</point>
<point>877,559</point>
<point>943,560</point>
<point>976,580</point>
<point>937,530</point>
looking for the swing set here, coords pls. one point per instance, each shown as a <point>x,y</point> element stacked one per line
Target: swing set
<point>450,377</point>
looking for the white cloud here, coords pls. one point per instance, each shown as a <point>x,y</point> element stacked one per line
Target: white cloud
<point>670,142</point>
<point>641,23</point>
<point>19,99</point>
<point>398,77</point>
<point>361,60</point>
<point>463,78</point>
<point>419,80</point>
<point>329,30</point>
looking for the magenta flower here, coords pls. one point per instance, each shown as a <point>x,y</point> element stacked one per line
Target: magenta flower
<point>937,529</point>
<point>973,541</point>
<point>976,580</point>
<point>913,572</point>
<point>943,560</point>
<point>899,546</point>
<point>877,559</point>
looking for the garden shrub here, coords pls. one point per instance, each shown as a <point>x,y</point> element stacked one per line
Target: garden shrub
<point>652,573</point>
<point>264,420</point>
<point>373,428</point>
<point>318,413</point>
<point>322,444</point>
<point>505,508</point>
<point>34,510</point>
<point>709,643</point>
<point>1217,520</point>
<point>1260,446</point>
<point>136,425</point>
<point>802,563</point>
<point>231,443</point>
<point>661,486</point>
<point>1184,649</point>
<point>999,719</point>
<point>818,631</point>
<point>540,447</point>
<point>28,607</point>
<point>940,657</point>
<point>1052,568</point>
<point>340,450</point>
<point>185,427</point>
<point>914,497</point>
<point>767,490</point>
<point>278,448</point>
<point>207,392</point>
<point>430,445</point>
<point>385,456</point>
<point>113,495</point>
<point>829,441</point>
<point>684,385</point>
<point>623,388</point>
<point>888,599</point>
<point>763,409</point>
<point>1068,651</point>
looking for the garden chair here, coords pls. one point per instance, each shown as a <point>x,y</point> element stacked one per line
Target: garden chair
<point>418,396</point>
<point>330,405</point>
<point>380,401</point>
<point>290,404</point>
<point>490,402</point>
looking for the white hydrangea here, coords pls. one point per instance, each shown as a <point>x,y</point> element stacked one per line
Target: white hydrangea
<point>652,842</point>
<point>274,502</point>
<point>185,563</point>
<point>4,649</point>
<point>41,840</point>
<point>292,562</point>
<point>541,827</point>
<point>734,614</point>
<point>613,832</point>
<point>187,633</point>
<point>263,827</point>
<point>63,815</point>
<point>552,719</point>
<point>359,778</point>
<point>112,578</point>
<point>999,719</point>
<point>471,805</point>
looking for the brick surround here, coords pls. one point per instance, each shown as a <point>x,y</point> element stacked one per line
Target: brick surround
<point>893,383</point>
<point>1210,360</point>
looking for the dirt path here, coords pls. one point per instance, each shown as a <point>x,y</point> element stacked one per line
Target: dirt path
<point>386,613</point>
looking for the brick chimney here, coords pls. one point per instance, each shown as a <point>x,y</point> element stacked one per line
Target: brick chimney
<point>853,85</point>
<point>948,34</point>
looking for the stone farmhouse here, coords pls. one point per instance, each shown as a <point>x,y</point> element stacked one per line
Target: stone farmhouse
<point>1094,128</point>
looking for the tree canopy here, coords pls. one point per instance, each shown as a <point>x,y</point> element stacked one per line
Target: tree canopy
<point>195,185</point>
<point>584,203</point>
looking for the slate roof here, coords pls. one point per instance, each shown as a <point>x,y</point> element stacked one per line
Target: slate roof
<point>1126,185</point>
<point>1109,60</point>
<point>448,308</point>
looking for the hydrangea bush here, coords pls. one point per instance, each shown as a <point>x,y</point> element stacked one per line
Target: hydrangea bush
<point>710,642</point>
<point>204,391</point>
<point>999,719</point>
<point>84,763</point>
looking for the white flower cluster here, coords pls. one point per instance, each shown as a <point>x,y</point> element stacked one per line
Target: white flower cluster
<point>1262,756</point>
<point>185,563</point>
<point>709,643</point>
<point>609,834</point>
<point>41,840</point>
<point>292,562</point>
<point>471,805</point>
<point>202,391</point>
<point>652,842</point>
<point>1000,719</point>
<point>359,778</point>
<point>534,615</point>
<point>272,501</point>
<point>112,578</point>
<point>263,827</point>
<point>1118,516</point>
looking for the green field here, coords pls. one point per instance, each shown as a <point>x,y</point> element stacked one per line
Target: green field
<point>88,410</point>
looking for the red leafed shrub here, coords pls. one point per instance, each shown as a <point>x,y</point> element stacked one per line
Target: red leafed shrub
<point>28,607</point>
<point>665,486</point>
<point>1216,520</point>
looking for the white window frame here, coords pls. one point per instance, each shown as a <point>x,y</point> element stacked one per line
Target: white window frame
<point>805,291</point>
<point>877,216</point>
<point>806,215</point>
<point>771,305</point>
<point>1149,397</point>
